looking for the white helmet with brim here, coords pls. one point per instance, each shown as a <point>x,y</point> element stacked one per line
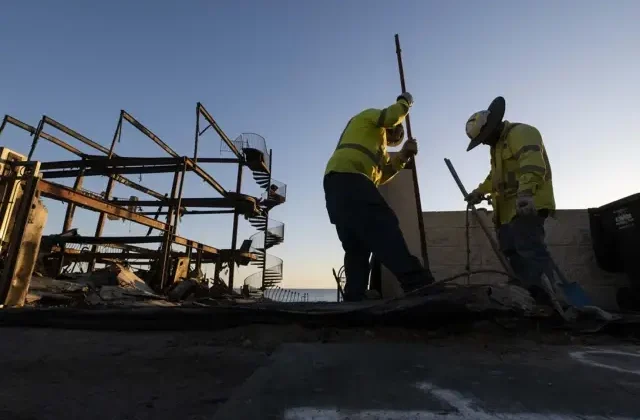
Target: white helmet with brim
<point>483,123</point>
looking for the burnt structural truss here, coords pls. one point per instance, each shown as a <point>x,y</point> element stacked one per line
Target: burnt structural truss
<point>40,179</point>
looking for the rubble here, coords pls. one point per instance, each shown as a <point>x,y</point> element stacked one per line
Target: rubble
<point>117,286</point>
<point>183,289</point>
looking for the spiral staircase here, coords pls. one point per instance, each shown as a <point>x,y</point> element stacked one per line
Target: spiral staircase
<point>270,232</point>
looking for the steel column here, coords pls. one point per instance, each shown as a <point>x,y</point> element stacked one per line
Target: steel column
<point>107,193</point>
<point>157,215</point>
<point>266,227</point>
<point>172,222</point>
<point>197,136</point>
<point>234,234</point>
<point>36,136</point>
<point>68,219</point>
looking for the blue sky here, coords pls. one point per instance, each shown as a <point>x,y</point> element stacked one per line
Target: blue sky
<point>296,71</point>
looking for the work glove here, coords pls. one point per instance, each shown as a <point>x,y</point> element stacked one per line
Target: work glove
<point>407,97</point>
<point>409,149</point>
<point>474,197</point>
<point>525,205</point>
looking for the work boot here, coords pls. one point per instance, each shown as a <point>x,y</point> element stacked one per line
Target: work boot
<point>415,284</point>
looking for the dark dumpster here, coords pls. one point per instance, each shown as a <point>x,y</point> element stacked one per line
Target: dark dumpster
<point>615,233</point>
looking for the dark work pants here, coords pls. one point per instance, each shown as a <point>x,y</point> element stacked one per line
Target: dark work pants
<point>523,242</point>
<point>366,224</point>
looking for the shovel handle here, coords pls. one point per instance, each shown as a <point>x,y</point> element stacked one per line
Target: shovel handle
<point>494,245</point>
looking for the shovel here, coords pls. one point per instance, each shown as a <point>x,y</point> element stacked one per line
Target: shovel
<point>573,292</point>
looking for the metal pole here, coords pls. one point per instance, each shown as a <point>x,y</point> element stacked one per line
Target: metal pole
<point>71,208</point>
<point>36,136</point>
<point>189,258</point>
<point>178,207</point>
<point>195,146</point>
<point>68,218</point>
<point>198,259</point>
<point>412,165</point>
<point>496,249</point>
<point>107,193</point>
<point>156,216</point>
<point>266,223</point>
<point>168,234</point>
<point>234,234</point>
<point>217,270</point>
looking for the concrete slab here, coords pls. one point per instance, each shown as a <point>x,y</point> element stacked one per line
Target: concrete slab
<point>58,374</point>
<point>402,381</point>
<point>400,195</point>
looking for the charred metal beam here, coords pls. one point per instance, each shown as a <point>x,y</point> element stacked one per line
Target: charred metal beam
<point>36,136</point>
<point>203,111</point>
<point>63,193</point>
<point>68,217</point>
<point>107,193</point>
<point>178,179</point>
<point>106,240</point>
<point>115,161</point>
<point>203,212</point>
<point>197,136</point>
<point>218,160</point>
<point>112,172</point>
<point>125,181</point>
<point>32,130</point>
<point>69,148</point>
<point>88,256</point>
<point>144,130</point>
<point>157,215</point>
<point>206,249</point>
<point>74,134</point>
<point>6,117</point>
<point>123,247</point>
<point>205,176</point>
<point>234,232</point>
<point>192,164</point>
<point>149,257</point>
<point>215,202</point>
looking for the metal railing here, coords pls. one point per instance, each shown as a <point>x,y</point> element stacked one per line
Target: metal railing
<point>279,294</point>
<point>275,231</point>
<point>249,141</point>
<point>273,275</point>
<point>276,189</point>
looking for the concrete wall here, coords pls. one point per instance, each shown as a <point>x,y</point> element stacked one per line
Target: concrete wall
<point>568,237</point>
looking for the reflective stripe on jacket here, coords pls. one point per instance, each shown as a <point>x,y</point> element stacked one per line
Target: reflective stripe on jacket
<point>362,147</point>
<point>519,163</point>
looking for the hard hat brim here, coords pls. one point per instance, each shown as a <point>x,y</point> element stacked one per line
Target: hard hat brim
<point>496,109</point>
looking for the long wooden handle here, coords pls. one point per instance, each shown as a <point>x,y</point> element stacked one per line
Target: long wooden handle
<point>412,165</point>
<point>403,86</point>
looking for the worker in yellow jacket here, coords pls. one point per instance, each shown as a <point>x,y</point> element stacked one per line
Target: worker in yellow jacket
<point>364,221</point>
<point>521,190</point>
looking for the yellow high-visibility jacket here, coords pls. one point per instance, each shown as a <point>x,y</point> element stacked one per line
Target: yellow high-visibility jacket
<point>362,147</point>
<point>519,163</point>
